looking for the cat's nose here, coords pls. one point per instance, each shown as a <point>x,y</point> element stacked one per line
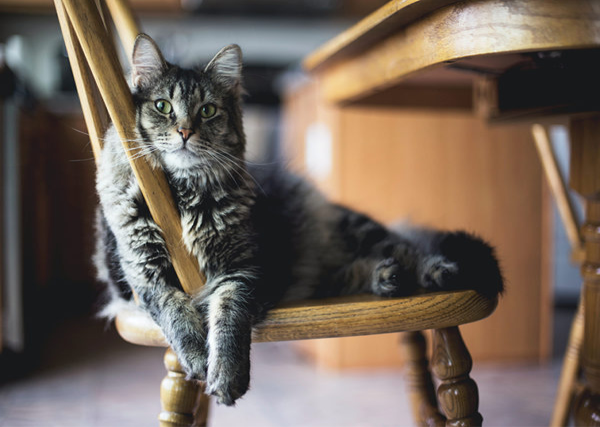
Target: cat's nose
<point>185,133</point>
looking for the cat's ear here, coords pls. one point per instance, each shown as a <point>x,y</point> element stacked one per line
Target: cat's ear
<point>226,67</point>
<point>146,61</point>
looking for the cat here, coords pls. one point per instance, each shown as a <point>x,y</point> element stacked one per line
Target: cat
<point>261,235</point>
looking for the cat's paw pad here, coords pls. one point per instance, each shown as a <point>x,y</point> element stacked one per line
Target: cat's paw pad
<point>390,278</point>
<point>438,273</point>
<point>227,382</point>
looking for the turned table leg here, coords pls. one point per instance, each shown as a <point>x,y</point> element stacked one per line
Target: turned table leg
<point>183,402</point>
<point>585,179</point>
<point>418,378</point>
<point>457,393</point>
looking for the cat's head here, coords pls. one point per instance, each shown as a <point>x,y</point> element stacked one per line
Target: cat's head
<point>190,118</point>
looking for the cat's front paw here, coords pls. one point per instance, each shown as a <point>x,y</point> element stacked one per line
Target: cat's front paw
<point>194,363</point>
<point>437,272</point>
<point>228,381</point>
<point>390,278</point>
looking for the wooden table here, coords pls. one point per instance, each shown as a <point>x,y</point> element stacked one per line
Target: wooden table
<point>507,60</point>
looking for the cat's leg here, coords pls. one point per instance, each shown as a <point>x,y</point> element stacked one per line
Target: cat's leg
<point>385,263</point>
<point>147,267</point>
<point>385,277</point>
<point>376,261</point>
<point>408,268</point>
<point>229,308</point>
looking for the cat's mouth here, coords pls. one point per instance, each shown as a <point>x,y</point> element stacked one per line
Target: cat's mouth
<point>183,150</point>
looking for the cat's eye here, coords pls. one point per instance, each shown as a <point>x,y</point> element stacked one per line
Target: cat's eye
<point>208,110</point>
<point>163,106</point>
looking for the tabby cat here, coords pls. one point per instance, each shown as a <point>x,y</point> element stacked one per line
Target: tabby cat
<point>261,235</point>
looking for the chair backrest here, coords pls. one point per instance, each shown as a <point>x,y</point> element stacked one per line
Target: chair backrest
<point>102,89</point>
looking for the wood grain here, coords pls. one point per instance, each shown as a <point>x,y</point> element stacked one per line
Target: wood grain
<point>379,24</point>
<point>457,393</point>
<point>339,317</point>
<point>462,30</point>
<point>107,72</point>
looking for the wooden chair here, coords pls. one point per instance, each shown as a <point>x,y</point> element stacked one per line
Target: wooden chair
<point>568,382</point>
<point>99,78</point>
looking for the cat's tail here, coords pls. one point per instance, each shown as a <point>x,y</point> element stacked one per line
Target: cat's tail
<point>478,265</point>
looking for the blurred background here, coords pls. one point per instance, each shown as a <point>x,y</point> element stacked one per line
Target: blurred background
<point>437,167</point>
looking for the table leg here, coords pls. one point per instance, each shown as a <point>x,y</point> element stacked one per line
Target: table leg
<point>585,179</point>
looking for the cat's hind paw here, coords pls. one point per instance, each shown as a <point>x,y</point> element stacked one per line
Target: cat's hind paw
<point>390,278</point>
<point>438,273</point>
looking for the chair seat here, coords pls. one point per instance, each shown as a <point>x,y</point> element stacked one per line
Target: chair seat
<point>338,317</point>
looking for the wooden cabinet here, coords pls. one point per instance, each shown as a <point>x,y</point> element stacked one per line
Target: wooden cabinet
<point>443,168</point>
<point>47,231</point>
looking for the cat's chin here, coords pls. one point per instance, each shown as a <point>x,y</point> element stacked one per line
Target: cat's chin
<point>182,159</point>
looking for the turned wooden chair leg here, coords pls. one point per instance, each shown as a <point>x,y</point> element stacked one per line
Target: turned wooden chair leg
<point>457,393</point>
<point>183,402</point>
<point>418,378</point>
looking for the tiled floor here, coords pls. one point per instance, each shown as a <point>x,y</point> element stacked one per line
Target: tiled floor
<point>91,378</point>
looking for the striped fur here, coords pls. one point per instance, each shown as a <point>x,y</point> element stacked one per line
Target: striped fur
<point>257,247</point>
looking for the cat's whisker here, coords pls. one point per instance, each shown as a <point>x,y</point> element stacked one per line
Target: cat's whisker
<point>248,162</point>
<point>81,160</point>
<point>142,141</point>
<point>223,165</point>
<point>103,139</point>
<point>226,162</point>
<point>82,132</point>
<point>217,180</point>
<point>140,151</point>
<point>238,168</point>
<point>119,149</point>
<point>140,154</point>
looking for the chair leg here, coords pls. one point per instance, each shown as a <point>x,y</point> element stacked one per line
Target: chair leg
<point>418,378</point>
<point>585,179</point>
<point>569,374</point>
<point>183,402</point>
<point>457,393</point>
